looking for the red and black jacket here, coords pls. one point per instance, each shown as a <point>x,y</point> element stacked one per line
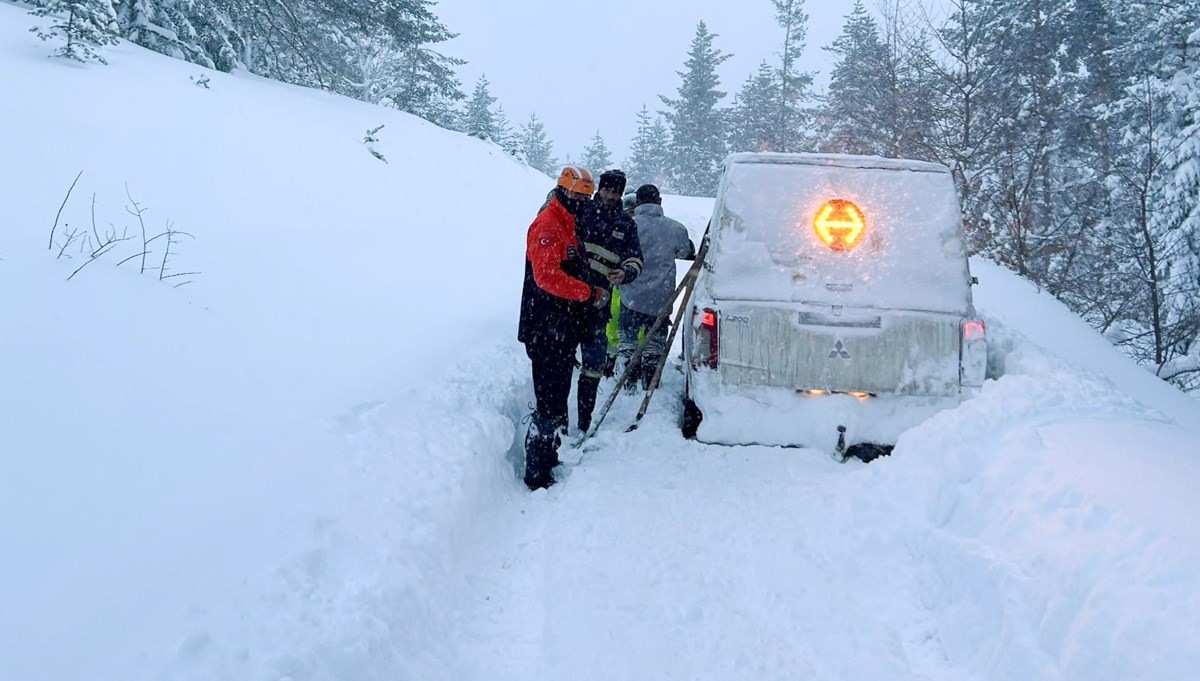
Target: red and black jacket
<point>555,301</point>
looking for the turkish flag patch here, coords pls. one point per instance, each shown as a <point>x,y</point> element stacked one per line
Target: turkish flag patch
<point>545,241</point>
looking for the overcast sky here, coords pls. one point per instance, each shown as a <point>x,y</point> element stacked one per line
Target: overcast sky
<point>585,67</point>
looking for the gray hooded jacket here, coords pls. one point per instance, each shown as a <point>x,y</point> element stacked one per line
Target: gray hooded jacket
<point>663,242</point>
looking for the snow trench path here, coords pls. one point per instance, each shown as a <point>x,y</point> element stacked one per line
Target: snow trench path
<point>667,559</point>
<point>991,545</point>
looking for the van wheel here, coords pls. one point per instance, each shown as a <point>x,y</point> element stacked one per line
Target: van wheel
<point>691,418</point>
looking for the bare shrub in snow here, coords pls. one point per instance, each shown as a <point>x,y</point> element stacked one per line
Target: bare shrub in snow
<point>95,246</point>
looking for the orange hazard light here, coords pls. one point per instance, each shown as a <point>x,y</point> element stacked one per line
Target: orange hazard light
<point>840,224</point>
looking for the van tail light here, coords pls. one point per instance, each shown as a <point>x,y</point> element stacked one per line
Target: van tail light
<point>973,360</point>
<point>973,330</point>
<point>708,338</point>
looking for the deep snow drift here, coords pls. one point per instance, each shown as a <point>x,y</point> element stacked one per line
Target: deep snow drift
<point>301,465</point>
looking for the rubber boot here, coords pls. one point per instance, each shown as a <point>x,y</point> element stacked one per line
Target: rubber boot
<point>585,394</point>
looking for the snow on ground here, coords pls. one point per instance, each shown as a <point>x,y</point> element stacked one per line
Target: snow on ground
<point>164,450</point>
<point>303,464</point>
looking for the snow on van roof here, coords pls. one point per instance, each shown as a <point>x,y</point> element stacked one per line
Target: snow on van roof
<point>765,246</point>
<point>838,161</point>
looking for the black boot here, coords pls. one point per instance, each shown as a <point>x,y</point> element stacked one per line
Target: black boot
<point>541,451</point>
<point>635,375</point>
<point>586,395</point>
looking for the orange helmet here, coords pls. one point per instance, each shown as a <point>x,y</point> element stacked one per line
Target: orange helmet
<point>578,180</point>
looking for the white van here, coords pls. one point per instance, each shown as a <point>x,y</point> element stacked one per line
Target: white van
<point>834,304</point>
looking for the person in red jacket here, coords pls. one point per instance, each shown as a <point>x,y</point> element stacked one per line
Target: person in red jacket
<point>557,307</point>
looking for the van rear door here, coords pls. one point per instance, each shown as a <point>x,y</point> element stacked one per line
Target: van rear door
<point>838,349</point>
<point>839,273</point>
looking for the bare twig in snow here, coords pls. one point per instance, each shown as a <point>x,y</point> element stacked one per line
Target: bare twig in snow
<point>137,212</point>
<point>94,232</point>
<point>60,210</point>
<point>72,236</point>
<point>171,241</point>
<point>110,242</point>
<point>142,254</point>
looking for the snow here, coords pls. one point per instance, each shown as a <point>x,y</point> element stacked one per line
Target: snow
<point>303,464</point>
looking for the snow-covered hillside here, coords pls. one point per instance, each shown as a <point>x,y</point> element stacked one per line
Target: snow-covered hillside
<point>301,465</point>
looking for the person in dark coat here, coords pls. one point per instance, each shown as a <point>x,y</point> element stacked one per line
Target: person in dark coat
<point>610,238</point>
<point>557,309</point>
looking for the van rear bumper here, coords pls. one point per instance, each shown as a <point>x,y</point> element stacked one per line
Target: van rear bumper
<point>783,417</point>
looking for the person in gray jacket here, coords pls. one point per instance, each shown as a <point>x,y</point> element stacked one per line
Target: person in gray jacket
<point>663,241</point>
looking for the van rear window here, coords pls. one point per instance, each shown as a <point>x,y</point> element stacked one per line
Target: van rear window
<point>888,238</point>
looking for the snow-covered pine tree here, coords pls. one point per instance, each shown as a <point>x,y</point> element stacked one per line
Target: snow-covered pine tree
<point>647,154</point>
<point>506,137</point>
<point>596,156</point>
<point>753,118</point>
<point>379,50</point>
<point>163,26</point>
<point>217,37</point>
<point>478,119</point>
<point>660,150</point>
<point>697,143</point>
<point>791,118</point>
<point>429,86</point>
<point>852,118</point>
<point>84,26</point>
<point>536,147</point>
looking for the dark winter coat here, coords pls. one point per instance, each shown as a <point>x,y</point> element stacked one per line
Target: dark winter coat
<point>556,302</point>
<point>610,238</point>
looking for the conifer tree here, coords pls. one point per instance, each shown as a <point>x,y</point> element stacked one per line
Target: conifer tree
<point>317,43</point>
<point>506,137</point>
<point>697,143</point>
<point>478,120</point>
<point>753,119</point>
<point>536,146</point>
<point>794,91</point>
<point>596,156</point>
<point>83,25</point>
<point>852,120</point>
<point>647,156</point>
<point>660,149</point>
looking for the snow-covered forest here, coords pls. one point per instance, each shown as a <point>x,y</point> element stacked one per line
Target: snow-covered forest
<point>263,409</point>
<point>1071,127</point>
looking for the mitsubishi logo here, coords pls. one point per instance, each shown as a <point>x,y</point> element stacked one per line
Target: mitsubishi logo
<point>839,350</point>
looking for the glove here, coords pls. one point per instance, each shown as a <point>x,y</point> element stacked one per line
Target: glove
<point>600,298</point>
<point>631,273</point>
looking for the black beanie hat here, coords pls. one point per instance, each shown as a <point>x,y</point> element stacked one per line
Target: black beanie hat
<point>614,180</point>
<point>648,193</point>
